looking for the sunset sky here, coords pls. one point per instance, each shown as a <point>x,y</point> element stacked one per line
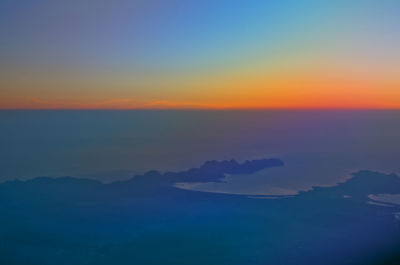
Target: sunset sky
<point>121,54</point>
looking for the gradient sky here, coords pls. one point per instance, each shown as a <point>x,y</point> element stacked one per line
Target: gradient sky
<point>199,54</point>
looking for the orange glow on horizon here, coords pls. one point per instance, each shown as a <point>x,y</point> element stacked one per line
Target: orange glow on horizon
<point>313,85</point>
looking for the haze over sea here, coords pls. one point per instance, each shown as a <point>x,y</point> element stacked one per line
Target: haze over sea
<point>318,147</point>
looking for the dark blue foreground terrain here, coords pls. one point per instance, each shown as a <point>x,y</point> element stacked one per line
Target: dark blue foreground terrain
<point>146,220</point>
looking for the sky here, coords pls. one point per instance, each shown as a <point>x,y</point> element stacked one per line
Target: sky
<point>210,54</point>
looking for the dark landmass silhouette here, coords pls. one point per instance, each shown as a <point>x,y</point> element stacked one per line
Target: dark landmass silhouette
<point>359,187</point>
<point>146,220</point>
<point>210,171</point>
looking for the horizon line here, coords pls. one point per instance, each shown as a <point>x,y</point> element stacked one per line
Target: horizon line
<point>209,109</point>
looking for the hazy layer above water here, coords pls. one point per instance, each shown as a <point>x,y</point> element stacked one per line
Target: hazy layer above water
<point>318,147</point>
